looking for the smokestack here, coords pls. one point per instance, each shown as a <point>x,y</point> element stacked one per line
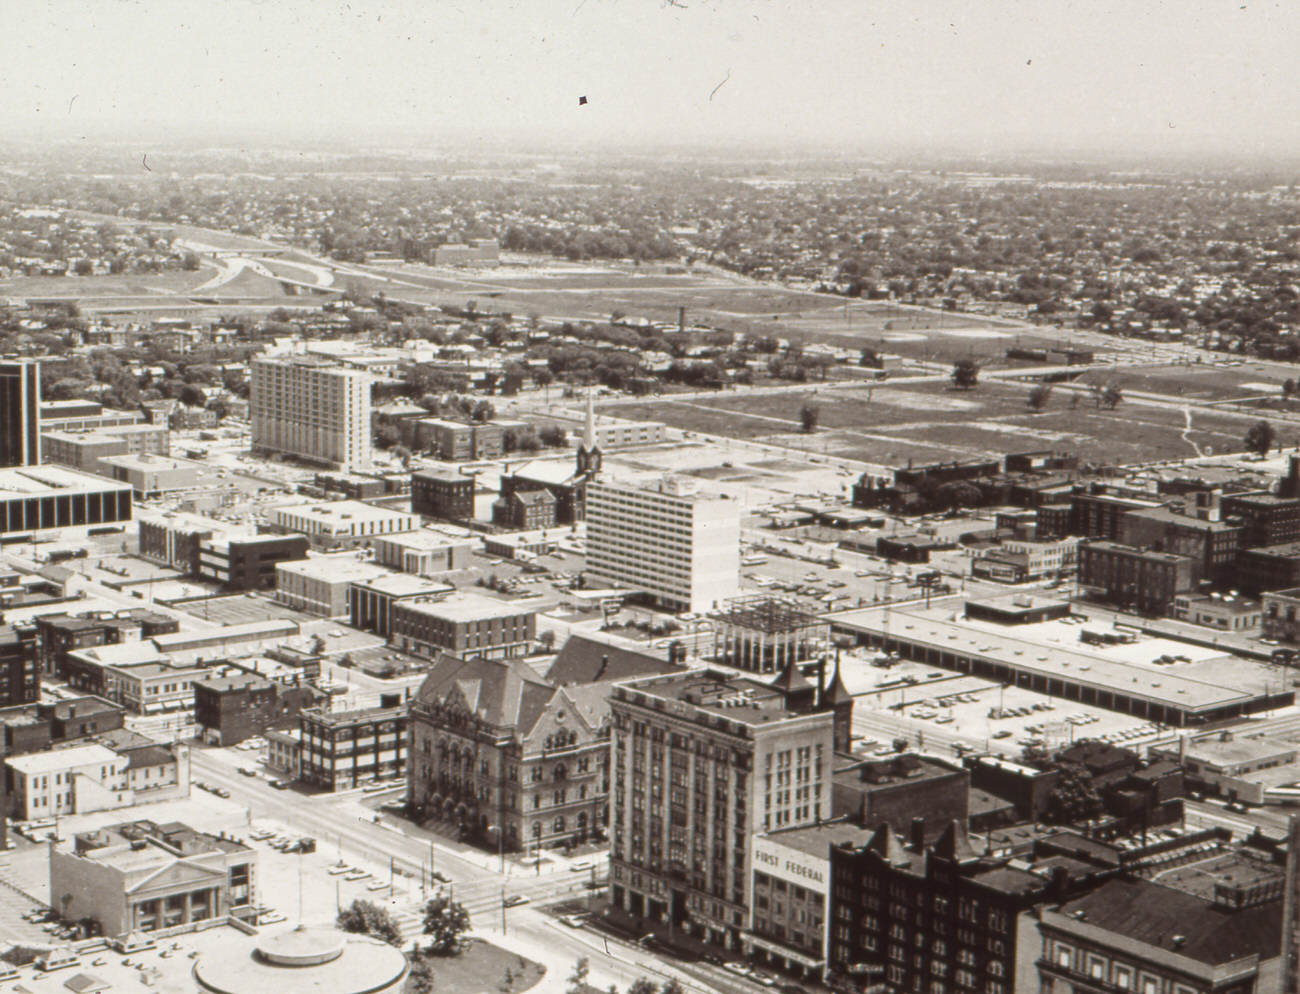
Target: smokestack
<point>918,835</point>
<point>821,680</point>
<point>681,319</point>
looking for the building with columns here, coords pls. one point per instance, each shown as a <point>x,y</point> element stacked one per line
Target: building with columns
<point>141,876</point>
<point>764,634</point>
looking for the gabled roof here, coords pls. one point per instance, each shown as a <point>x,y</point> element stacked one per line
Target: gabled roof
<point>888,847</point>
<point>502,692</point>
<point>585,659</point>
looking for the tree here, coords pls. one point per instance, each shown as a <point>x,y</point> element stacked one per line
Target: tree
<point>83,267</point>
<point>387,435</point>
<point>578,978</point>
<point>1040,395</point>
<point>965,373</point>
<point>482,412</point>
<point>1074,798</point>
<point>642,985</point>
<point>1259,438</point>
<point>956,494</point>
<point>368,918</point>
<point>546,639</point>
<point>1112,395</point>
<point>809,415</point>
<point>445,921</point>
<point>422,978</point>
<point>1288,388</point>
<point>672,986</point>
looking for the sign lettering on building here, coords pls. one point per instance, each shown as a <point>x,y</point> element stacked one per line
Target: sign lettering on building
<point>788,864</point>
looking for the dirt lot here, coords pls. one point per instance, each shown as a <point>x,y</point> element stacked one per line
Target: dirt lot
<point>932,421</point>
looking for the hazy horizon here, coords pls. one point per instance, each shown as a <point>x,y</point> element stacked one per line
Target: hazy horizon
<point>981,78</point>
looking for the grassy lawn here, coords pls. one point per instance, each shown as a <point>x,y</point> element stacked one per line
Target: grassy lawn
<point>481,968</point>
<point>929,422</point>
<point>1196,381</point>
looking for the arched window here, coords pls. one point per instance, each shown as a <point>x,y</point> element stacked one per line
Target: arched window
<point>537,830</point>
<point>560,772</point>
<point>559,823</point>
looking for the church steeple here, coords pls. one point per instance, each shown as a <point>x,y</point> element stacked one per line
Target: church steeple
<point>589,455</point>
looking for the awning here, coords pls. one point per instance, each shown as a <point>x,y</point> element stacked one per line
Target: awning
<point>803,959</point>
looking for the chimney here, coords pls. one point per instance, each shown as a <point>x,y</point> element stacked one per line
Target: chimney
<point>681,319</point>
<point>918,835</point>
<point>821,679</point>
<point>604,665</point>
<point>1182,749</point>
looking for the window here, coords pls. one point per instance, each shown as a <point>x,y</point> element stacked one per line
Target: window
<point>1123,978</point>
<point>1064,956</point>
<point>1150,985</point>
<point>1096,968</point>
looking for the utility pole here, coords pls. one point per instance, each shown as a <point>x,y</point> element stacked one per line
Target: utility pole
<point>503,909</point>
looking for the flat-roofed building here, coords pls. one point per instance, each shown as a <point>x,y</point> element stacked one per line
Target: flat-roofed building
<point>1145,580</point>
<point>149,475</point>
<point>371,602</point>
<point>85,450</point>
<point>463,624</point>
<point>443,493</point>
<point>1267,519</point>
<point>1269,567</point>
<point>1223,612</point>
<point>142,877</point>
<point>84,415</point>
<point>1281,614</point>
<point>20,412</point>
<point>41,499</point>
<point>346,749</point>
<point>1198,692</point>
<point>764,634</point>
<point>320,585</point>
<point>423,552</point>
<point>702,762</point>
<point>76,780</point>
<point>665,541</point>
<point>311,409</point>
<point>1131,934</point>
<point>1236,766</point>
<point>343,524</point>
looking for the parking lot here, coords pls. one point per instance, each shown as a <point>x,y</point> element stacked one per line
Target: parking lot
<point>918,699</point>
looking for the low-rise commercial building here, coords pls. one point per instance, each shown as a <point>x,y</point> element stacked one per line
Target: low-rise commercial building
<point>1279,614</point>
<point>1266,519</point>
<point>248,562</point>
<point>463,624</point>
<point>85,450</point>
<point>346,749</point>
<point>445,494</point>
<point>1222,612</point>
<point>142,877</point>
<point>151,476</point>
<point>897,789</point>
<point>423,552</point>
<point>343,524</point>
<point>371,602</point>
<point>458,441</point>
<point>60,634</point>
<point>1135,935</point>
<point>320,585</point>
<point>39,500</point>
<point>75,780</point>
<point>1233,766</point>
<point>1269,567</point>
<point>1138,579</point>
<point>236,706</point>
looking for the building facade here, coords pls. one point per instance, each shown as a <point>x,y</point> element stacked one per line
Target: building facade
<point>504,756</point>
<point>346,749</point>
<point>1140,579</point>
<point>447,494</point>
<point>702,762</point>
<point>20,406</point>
<point>666,542</point>
<point>141,877</point>
<point>463,624</point>
<point>311,410</point>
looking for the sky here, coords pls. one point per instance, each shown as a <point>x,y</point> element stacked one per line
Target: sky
<point>977,75</point>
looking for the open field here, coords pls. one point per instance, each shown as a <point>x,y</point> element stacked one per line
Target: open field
<point>1198,381</point>
<point>932,421</point>
<point>122,284</point>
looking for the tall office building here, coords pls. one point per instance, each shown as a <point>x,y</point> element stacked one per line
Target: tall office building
<point>1291,911</point>
<point>312,410</point>
<point>701,762</point>
<point>20,413</point>
<point>678,548</point>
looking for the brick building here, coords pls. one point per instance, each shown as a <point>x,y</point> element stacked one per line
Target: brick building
<point>1139,579</point>
<point>346,749</point>
<point>229,709</point>
<point>463,624</point>
<point>443,494</point>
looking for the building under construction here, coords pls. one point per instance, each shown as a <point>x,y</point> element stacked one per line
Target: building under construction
<point>763,634</point>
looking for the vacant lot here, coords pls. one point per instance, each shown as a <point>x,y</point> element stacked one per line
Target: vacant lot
<point>1198,381</point>
<point>933,421</point>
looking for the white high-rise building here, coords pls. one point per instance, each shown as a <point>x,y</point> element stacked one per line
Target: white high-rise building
<point>311,409</point>
<point>664,539</point>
